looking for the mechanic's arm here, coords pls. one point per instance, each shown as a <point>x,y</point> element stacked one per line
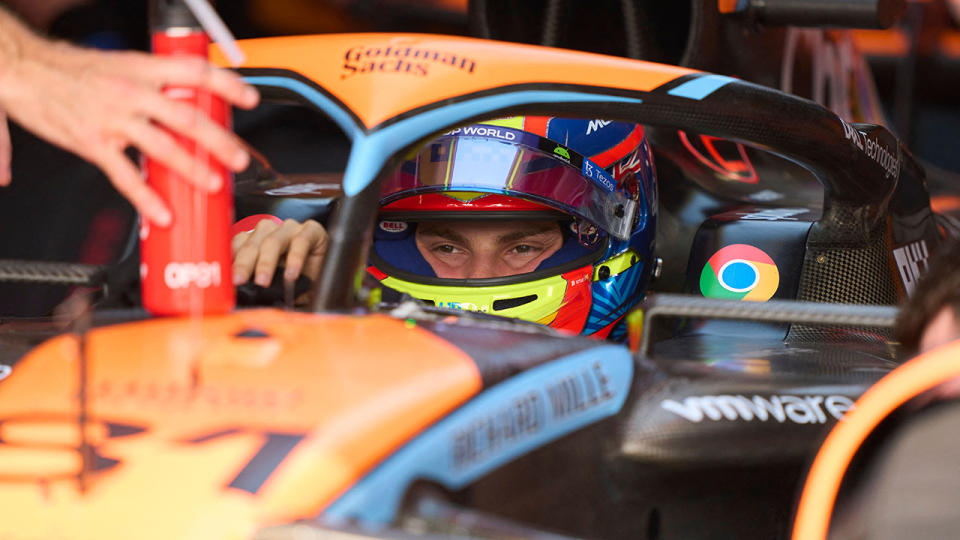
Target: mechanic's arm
<point>97,103</point>
<point>258,252</point>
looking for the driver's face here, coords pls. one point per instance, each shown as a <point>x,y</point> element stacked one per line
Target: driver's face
<point>484,249</point>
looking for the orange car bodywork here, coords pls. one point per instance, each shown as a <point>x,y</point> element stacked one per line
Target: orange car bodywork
<point>382,76</point>
<point>177,409</point>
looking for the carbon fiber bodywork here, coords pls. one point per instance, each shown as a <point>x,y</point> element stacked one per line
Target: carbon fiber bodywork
<point>712,443</point>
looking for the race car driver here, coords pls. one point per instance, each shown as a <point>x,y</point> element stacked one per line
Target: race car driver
<point>549,220</point>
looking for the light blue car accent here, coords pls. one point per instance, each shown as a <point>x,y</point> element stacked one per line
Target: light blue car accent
<point>336,113</point>
<point>700,87</point>
<point>370,151</point>
<point>499,425</point>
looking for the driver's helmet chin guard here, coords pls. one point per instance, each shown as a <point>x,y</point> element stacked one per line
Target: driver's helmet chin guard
<point>594,177</point>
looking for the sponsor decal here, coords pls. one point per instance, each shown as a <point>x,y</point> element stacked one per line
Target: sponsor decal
<point>873,150</point>
<point>401,58</point>
<point>158,395</point>
<point>740,272</point>
<point>780,408</point>
<point>465,306</point>
<point>577,392</point>
<point>393,226</point>
<point>486,435</point>
<point>572,393</point>
<point>180,275</point>
<point>562,152</point>
<point>912,263</point>
<point>596,125</point>
<point>599,176</point>
<point>773,214</point>
<point>506,421</point>
<point>501,133</point>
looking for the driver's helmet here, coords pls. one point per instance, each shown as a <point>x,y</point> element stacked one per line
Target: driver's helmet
<point>594,177</point>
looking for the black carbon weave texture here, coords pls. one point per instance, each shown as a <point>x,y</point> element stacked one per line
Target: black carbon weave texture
<point>849,275</point>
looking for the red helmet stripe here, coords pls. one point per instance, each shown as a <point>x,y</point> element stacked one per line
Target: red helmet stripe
<point>536,124</point>
<point>618,152</point>
<point>439,202</point>
<point>377,273</point>
<point>572,315</point>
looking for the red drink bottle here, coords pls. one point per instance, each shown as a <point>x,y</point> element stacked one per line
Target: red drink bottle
<point>185,268</point>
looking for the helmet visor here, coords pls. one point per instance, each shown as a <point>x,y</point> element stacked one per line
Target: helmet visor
<point>492,159</point>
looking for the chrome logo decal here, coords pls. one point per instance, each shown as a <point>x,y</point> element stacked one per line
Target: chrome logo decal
<point>740,272</point>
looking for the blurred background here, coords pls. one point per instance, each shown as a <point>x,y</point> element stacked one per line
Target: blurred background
<point>61,208</point>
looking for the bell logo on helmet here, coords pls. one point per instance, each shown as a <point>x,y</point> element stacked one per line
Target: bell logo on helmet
<point>393,226</point>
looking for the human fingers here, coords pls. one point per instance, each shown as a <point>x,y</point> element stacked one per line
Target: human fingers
<point>190,122</point>
<point>193,71</point>
<point>161,147</point>
<point>246,250</point>
<point>271,247</point>
<point>306,251</point>
<point>238,240</point>
<point>317,255</point>
<point>6,150</point>
<point>125,177</point>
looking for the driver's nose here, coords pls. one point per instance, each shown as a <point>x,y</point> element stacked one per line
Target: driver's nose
<point>482,267</point>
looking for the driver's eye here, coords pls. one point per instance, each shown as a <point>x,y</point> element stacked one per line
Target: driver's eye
<point>445,248</point>
<point>523,248</point>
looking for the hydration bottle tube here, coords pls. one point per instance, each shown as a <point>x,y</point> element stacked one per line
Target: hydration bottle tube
<point>185,268</point>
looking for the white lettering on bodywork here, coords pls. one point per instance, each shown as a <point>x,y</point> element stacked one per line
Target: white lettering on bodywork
<point>797,409</point>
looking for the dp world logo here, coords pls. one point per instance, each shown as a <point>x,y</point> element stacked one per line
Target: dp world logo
<point>740,272</point>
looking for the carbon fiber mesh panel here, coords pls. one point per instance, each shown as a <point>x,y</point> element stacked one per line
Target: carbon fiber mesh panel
<point>848,274</point>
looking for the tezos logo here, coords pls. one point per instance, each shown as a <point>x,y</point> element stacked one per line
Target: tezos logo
<point>740,272</point>
<point>393,226</point>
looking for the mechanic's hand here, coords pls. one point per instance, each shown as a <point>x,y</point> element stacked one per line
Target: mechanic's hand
<point>258,252</point>
<point>97,103</point>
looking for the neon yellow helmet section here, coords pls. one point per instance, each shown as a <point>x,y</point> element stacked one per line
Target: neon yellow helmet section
<point>547,296</point>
